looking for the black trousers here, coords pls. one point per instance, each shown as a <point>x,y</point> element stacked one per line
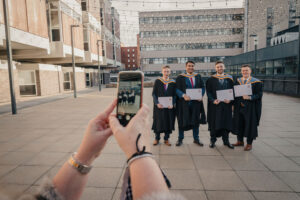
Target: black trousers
<point>166,137</point>
<point>223,132</point>
<point>242,127</point>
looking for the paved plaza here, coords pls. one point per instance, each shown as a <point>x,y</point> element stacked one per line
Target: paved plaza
<point>38,140</point>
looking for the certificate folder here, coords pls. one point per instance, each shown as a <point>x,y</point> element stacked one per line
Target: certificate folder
<point>242,90</point>
<point>225,95</point>
<point>194,94</point>
<point>165,101</point>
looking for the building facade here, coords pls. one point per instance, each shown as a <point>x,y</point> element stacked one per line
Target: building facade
<point>266,18</point>
<point>111,34</point>
<point>204,36</point>
<point>276,60</point>
<point>41,45</point>
<point>130,58</point>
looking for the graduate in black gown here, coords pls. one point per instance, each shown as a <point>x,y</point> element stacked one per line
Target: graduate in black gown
<point>163,118</point>
<point>247,110</point>
<point>190,113</point>
<point>219,114</point>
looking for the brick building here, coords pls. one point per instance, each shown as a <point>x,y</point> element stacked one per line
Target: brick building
<point>130,58</point>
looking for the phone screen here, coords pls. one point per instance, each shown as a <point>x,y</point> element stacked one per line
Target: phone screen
<point>129,95</point>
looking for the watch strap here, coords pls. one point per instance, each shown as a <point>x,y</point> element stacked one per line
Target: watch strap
<point>81,168</point>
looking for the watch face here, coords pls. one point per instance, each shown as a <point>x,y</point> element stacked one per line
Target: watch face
<point>83,169</point>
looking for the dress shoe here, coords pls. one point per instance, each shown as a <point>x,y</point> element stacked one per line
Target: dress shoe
<point>178,143</point>
<point>248,147</point>
<point>167,143</point>
<point>212,145</point>
<point>198,143</point>
<point>239,144</point>
<point>156,142</point>
<point>230,146</point>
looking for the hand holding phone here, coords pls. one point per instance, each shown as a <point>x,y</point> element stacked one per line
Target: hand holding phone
<point>130,95</point>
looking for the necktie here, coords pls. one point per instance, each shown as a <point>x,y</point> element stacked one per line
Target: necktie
<point>165,86</point>
<point>192,82</point>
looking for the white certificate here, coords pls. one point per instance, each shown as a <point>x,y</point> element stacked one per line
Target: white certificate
<point>165,101</point>
<point>242,90</point>
<point>194,94</point>
<point>225,95</point>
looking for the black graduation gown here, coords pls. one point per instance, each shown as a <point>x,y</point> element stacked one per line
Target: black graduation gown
<point>252,109</point>
<point>163,119</point>
<point>190,114</point>
<point>218,116</point>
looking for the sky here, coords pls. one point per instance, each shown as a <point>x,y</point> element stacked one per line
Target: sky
<point>129,9</point>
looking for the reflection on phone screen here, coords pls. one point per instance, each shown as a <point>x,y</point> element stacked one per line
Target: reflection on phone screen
<point>129,98</point>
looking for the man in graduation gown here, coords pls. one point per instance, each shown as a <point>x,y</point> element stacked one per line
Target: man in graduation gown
<point>219,114</point>
<point>247,110</point>
<point>163,118</point>
<point>190,113</point>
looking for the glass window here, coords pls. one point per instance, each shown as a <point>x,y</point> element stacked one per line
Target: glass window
<point>54,19</point>
<point>290,65</point>
<point>83,6</point>
<point>67,82</point>
<point>55,35</point>
<point>269,67</point>
<point>177,19</point>
<point>261,68</point>
<point>278,67</point>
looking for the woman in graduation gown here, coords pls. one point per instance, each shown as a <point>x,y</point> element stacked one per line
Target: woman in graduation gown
<point>163,118</point>
<point>247,110</point>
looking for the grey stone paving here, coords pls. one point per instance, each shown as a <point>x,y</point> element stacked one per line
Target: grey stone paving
<point>38,140</point>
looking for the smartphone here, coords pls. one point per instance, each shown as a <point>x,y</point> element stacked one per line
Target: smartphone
<point>130,95</point>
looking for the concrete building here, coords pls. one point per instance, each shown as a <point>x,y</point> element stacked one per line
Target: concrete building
<point>110,34</point>
<point>266,18</point>
<point>41,45</point>
<point>276,61</point>
<point>130,58</point>
<point>204,36</point>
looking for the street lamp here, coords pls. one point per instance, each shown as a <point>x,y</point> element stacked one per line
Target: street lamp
<point>255,50</point>
<point>9,59</point>
<point>99,70</point>
<point>73,60</point>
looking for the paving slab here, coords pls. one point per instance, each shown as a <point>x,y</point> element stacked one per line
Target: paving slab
<point>262,181</point>
<point>184,179</point>
<point>229,195</point>
<point>221,180</point>
<point>275,196</point>
<point>211,163</point>
<point>192,194</point>
<point>291,178</point>
<point>39,140</point>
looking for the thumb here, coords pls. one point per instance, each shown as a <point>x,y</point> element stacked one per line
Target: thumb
<point>114,124</point>
<point>143,112</point>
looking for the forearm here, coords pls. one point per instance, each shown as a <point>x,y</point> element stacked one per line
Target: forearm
<point>210,96</point>
<point>179,93</point>
<point>256,96</point>
<point>203,91</point>
<point>69,182</point>
<point>155,99</point>
<point>146,177</point>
